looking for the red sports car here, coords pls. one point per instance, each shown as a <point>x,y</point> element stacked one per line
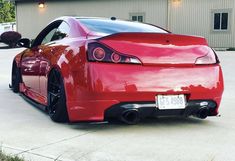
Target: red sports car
<point>95,69</point>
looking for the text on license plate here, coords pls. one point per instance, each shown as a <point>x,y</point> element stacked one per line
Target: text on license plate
<point>165,102</point>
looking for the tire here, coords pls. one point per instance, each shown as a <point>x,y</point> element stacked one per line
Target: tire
<point>15,78</point>
<point>57,109</point>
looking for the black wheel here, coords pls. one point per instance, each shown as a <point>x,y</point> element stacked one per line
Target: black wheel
<point>57,109</point>
<point>15,78</point>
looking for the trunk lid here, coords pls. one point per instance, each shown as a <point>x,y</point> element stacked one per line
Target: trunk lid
<point>154,48</point>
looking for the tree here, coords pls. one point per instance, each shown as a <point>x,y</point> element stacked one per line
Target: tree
<point>7,11</point>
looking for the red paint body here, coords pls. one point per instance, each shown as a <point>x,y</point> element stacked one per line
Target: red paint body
<point>167,67</point>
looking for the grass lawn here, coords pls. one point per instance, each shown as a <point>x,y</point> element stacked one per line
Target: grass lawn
<point>4,157</point>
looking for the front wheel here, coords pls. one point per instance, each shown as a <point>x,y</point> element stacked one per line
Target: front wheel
<point>56,98</point>
<point>15,78</point>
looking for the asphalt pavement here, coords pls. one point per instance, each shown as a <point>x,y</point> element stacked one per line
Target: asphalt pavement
<point>28,132</point>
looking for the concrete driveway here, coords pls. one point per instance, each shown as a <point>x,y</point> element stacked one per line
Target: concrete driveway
<point>29,132</point>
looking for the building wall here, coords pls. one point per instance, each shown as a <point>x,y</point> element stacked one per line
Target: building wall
<point>192,17</point>
<point>31,19</point>
<point>195,17</point>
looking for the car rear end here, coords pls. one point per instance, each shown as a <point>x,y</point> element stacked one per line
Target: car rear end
<point>131,76</point>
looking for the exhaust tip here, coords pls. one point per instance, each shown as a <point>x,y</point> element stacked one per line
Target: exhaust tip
<point>130,116</point>
<point>202,113</point>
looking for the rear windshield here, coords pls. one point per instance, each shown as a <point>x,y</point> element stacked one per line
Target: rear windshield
<point>106,26</point>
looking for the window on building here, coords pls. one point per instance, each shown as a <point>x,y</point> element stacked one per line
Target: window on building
<point>221,20</point>
<point>140,17</point>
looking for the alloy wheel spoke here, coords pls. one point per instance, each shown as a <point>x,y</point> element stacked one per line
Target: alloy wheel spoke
<point>54,92</point>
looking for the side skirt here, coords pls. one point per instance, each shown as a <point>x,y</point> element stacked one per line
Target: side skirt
<point>34,103</point>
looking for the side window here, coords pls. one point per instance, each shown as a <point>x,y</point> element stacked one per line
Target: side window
<point>49,36</point>
<point>57,33</point>
<point>62,32</point>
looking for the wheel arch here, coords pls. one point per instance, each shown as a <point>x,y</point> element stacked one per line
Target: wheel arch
<point>65,74</point>
<point>16,64</point>
<point>62,114</point>
<point>17,59</point>
<point>67,79</point>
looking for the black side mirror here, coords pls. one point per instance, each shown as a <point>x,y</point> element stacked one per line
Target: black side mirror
<point>24,43</point>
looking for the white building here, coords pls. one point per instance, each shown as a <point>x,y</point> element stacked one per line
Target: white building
<point>10,26</point>
<point>213,19</point>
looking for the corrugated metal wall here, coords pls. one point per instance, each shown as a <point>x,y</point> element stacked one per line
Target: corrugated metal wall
<point>195,17</point>
<point>192,17</point>
<point>31,19</point>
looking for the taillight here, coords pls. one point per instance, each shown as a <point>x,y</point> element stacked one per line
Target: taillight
<point>116,58</point>
<point>100,53</point>
<point>210,58</point>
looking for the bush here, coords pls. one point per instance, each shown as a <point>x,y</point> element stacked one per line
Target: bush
<point>4,157</point>
<point>10,38</point>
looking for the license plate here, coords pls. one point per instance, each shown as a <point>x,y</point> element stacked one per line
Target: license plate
<point>166,102</point>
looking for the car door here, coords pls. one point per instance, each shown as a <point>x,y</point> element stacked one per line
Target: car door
<point>30,69</point>
<point>49,51</point>
<point>31,61</point>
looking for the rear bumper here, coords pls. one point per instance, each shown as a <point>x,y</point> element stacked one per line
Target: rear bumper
<point>107,86</point>
<point>149,109</point>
